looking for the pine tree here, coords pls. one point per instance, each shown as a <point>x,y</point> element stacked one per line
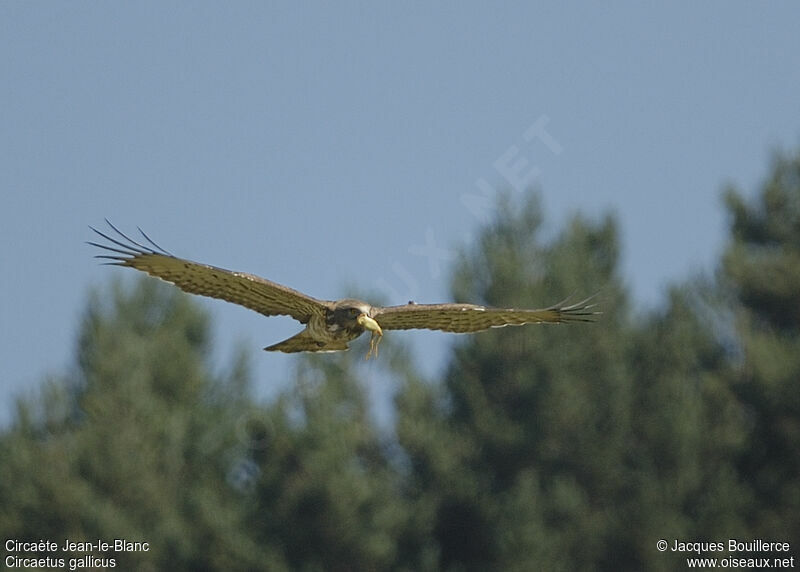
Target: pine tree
<point>140,443</point>
<point>761,267</point>
<point>326,491</point>
<point>571,447</point>
<point>686,431</point>
<point>529,456</point>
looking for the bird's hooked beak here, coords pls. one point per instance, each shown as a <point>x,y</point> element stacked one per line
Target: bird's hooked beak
<point>369,324</point>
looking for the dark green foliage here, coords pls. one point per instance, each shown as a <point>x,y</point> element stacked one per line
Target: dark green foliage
<point>554,447</point>
<point>326,493</point>
<point>137,444</point>
<point>761,267</point>
<point>686,428</point>
<point>541,415</point>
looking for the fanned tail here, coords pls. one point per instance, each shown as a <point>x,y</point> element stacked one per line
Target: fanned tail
<point>303,342</point>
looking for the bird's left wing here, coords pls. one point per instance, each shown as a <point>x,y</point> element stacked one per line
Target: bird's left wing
<point>263,296</point>
<point>465,318</point>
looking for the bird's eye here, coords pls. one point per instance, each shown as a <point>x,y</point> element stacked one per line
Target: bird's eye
<point>353,311</point>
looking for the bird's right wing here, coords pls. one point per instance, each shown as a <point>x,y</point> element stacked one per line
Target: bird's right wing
<point>466,318</point>
<point>248,290</point>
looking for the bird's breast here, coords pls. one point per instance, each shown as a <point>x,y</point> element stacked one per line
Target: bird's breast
<point>328,330</point>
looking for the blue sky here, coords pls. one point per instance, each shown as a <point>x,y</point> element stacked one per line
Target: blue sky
<point>271,137</point>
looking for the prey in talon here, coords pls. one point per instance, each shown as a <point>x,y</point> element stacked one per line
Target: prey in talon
<point>375,337</point>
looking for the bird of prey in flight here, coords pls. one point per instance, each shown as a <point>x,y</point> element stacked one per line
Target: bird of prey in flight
<point>330,325</point>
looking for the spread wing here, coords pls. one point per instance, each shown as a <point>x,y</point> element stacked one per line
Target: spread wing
<point>247,290</point>
<point>465,318</point>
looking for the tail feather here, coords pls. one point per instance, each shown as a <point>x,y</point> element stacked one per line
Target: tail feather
<point>303,342</point>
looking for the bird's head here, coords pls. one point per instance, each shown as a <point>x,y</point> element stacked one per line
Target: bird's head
<point>355,315</point>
